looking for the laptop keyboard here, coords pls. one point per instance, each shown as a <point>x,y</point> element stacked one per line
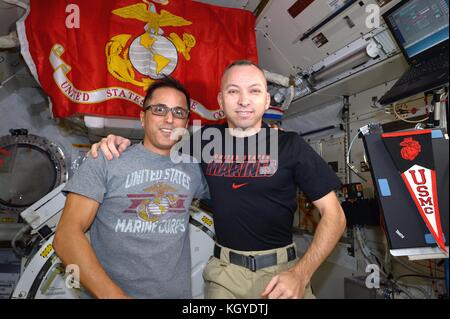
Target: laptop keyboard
<point>424,68</point>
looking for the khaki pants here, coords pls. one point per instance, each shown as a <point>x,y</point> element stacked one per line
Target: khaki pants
<point>224,280</point>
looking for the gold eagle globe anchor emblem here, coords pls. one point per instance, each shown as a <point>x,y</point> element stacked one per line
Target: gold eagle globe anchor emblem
<point>152,53</point>
<point>164,198</point>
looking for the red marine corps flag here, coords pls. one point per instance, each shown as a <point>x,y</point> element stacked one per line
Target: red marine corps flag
<point>412,154</point>
<point>98,57</point>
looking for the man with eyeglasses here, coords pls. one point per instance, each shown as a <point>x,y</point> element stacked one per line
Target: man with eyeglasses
<point>254,196</point>
<point>137,209</point>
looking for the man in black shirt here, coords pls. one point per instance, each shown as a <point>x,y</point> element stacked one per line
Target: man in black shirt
<point>253,185</point>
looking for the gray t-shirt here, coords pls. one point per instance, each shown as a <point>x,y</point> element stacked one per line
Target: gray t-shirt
<point>140,233</point>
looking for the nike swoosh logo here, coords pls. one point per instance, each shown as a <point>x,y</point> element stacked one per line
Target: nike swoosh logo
<point>236,186</point>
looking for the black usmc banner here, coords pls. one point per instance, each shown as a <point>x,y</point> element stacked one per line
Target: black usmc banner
<point>412,154</point>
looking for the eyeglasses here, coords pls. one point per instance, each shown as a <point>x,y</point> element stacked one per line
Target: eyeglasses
<point>162,109</point>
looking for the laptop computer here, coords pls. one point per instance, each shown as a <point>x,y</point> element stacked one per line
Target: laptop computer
<point>420,28</point>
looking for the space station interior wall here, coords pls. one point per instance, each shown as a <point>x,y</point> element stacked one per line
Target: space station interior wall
<point>328,280</point>
<point>24,105</point>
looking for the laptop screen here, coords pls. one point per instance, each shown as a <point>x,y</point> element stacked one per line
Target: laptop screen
<point>420,24</point>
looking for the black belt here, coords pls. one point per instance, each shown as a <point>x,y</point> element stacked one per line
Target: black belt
<point>257,262</point>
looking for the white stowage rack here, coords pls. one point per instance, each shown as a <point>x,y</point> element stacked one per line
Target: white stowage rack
<point>99,127</point>
<point>42,212</point>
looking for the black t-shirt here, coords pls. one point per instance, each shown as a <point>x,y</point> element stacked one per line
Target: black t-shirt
<point>254,189</point>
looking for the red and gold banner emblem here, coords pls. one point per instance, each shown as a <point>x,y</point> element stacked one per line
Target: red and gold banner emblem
<point>103,64</point>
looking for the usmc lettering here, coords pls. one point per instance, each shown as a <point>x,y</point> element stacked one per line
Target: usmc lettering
<point>422,190</point>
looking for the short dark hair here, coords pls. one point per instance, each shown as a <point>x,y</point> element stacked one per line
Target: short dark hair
<point>167,82</point>
<point>242,62</point>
